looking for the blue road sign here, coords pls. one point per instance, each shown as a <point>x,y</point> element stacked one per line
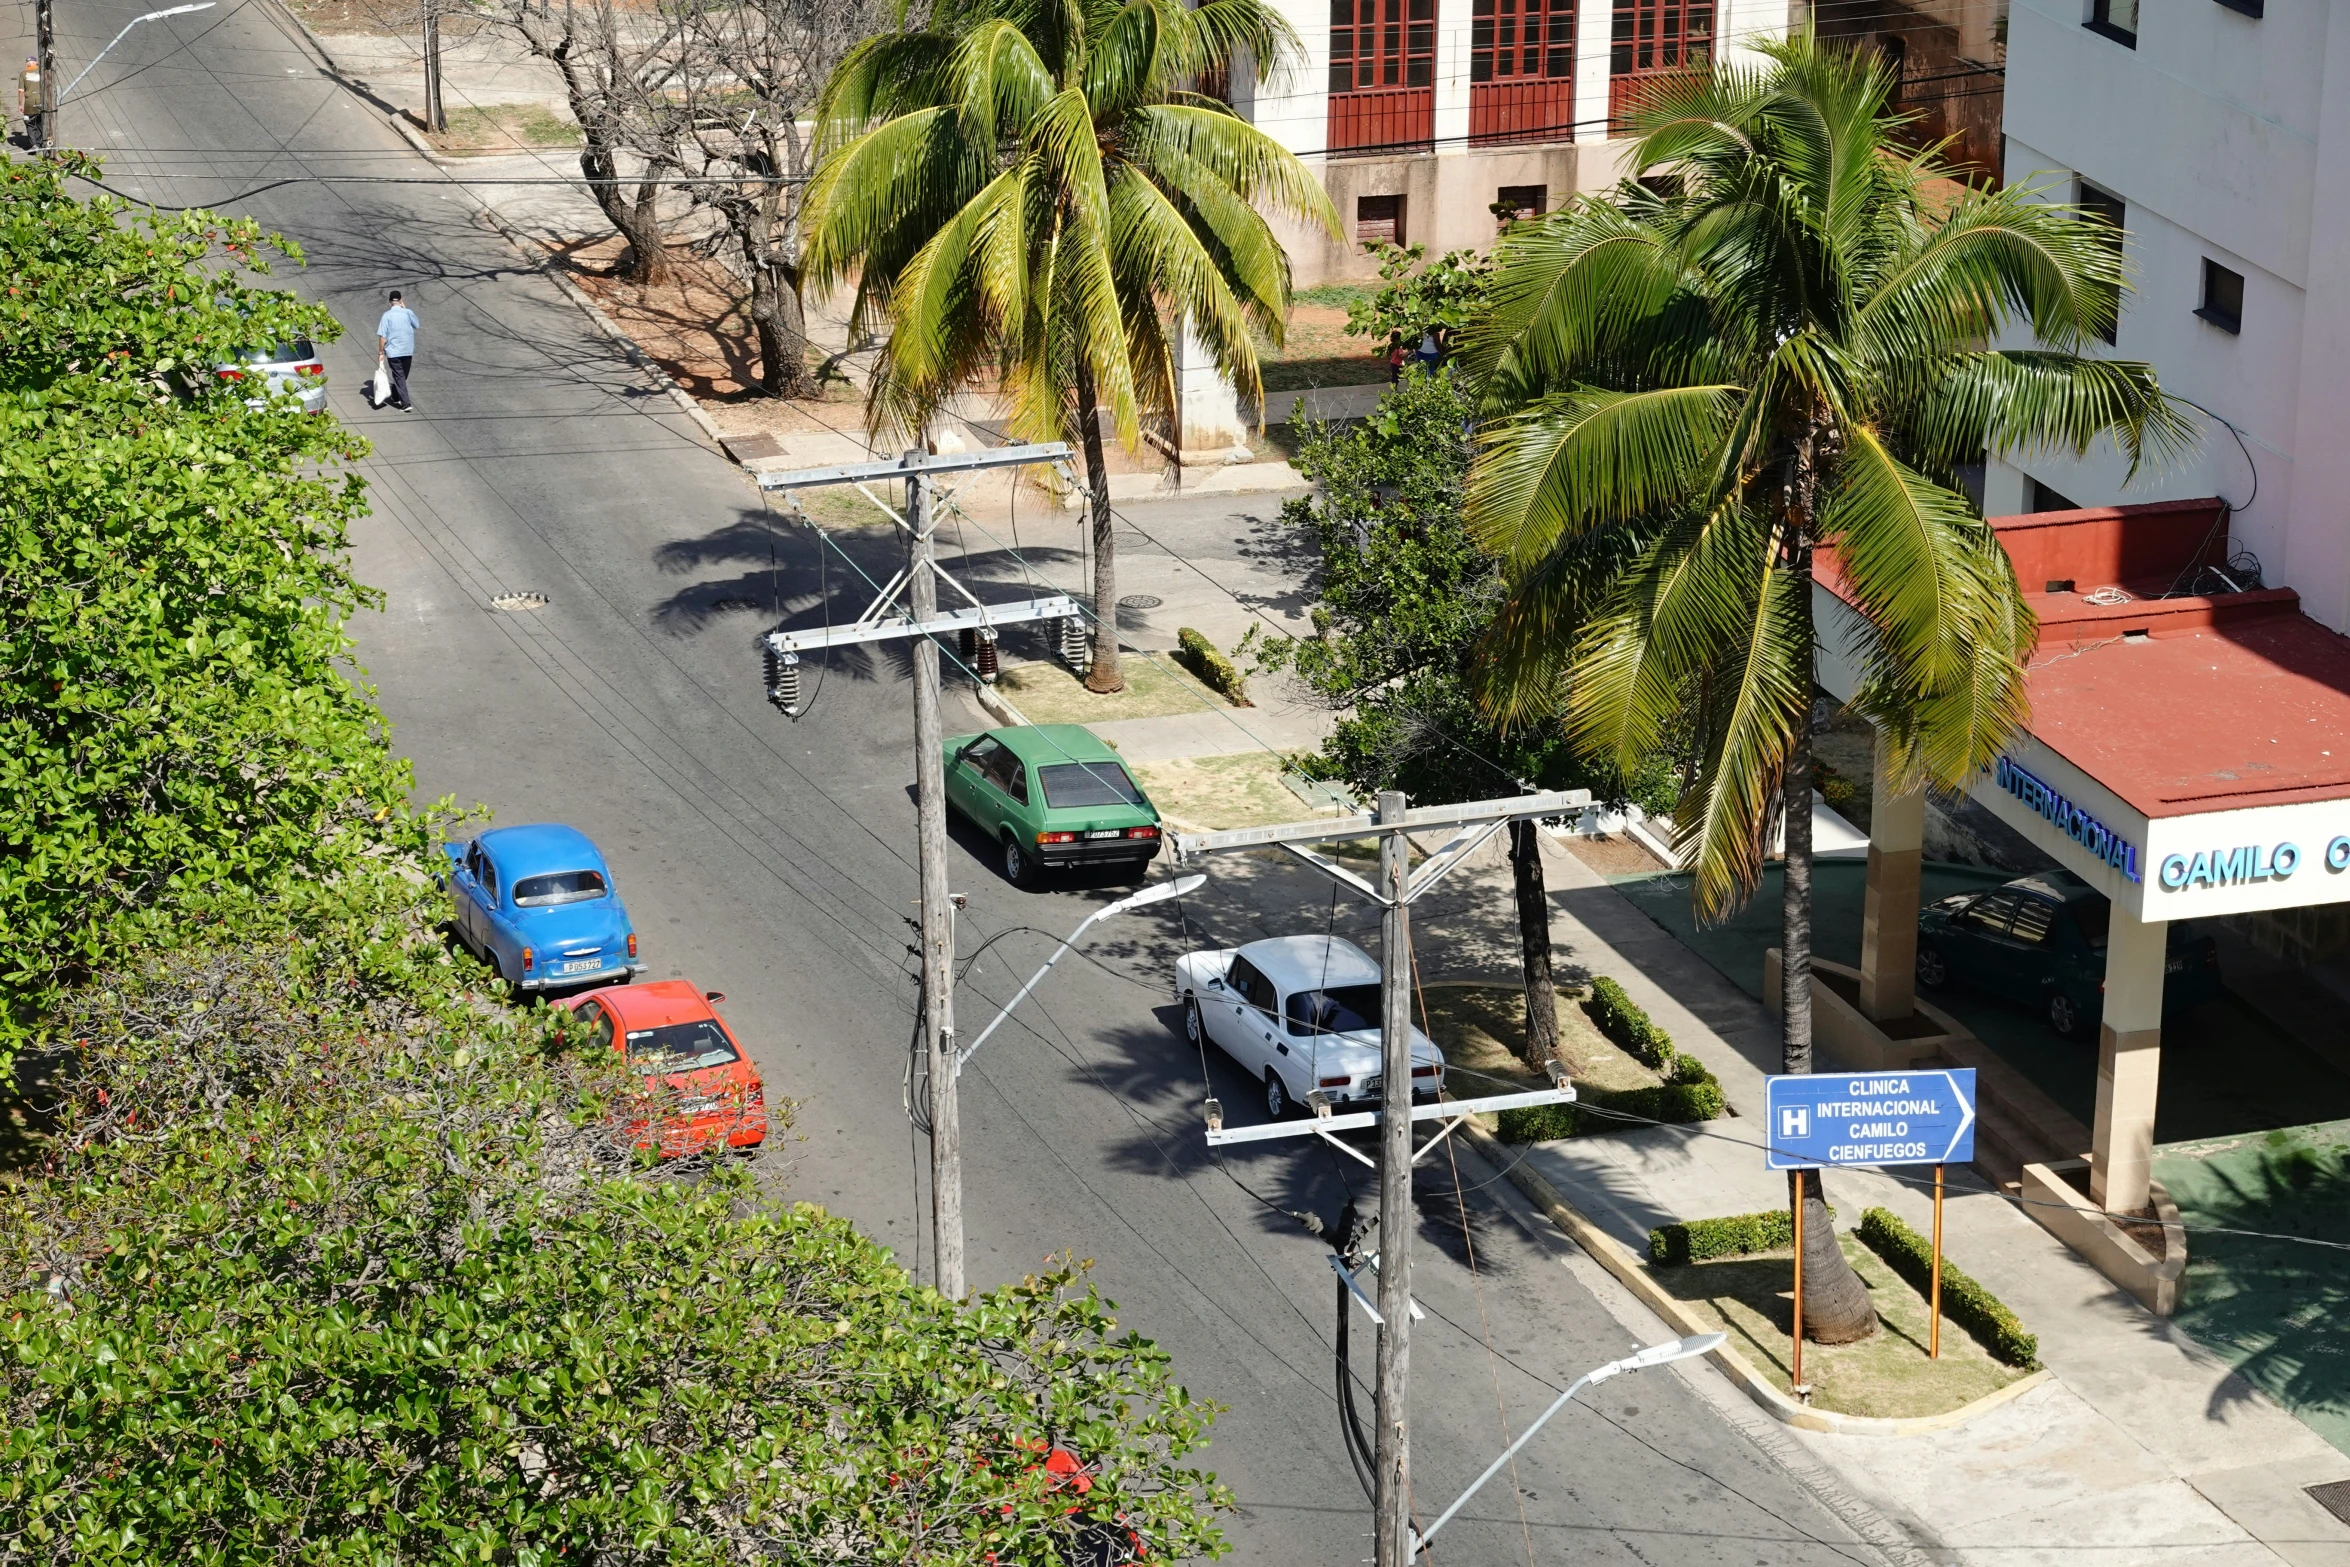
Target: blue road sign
<point>1864,1118</point>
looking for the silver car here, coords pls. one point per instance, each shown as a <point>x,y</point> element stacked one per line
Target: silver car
<point>283,367</point>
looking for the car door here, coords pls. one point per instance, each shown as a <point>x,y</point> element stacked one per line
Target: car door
<point>1260,1016</point>
<point>496,935</point>
<point>1231,1020</point>
<point>466,887</point>
<point>1980,950</point>
<point>964,776</point>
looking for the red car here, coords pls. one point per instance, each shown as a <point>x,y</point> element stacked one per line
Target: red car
<point>671,1034</point>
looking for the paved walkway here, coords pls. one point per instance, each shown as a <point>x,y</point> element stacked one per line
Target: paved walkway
<point>2145,1448</point>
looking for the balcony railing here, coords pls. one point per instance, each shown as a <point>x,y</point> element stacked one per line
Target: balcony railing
<point>1528,111</point>
<point>1383,119</point>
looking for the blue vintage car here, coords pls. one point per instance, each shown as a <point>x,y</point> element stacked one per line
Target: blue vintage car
<point>538,904</point>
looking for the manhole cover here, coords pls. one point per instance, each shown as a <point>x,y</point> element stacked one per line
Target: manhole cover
<point>746,447</point>
<point>2334,1498</point>
<point>736,604</point>
<point>1141,601</point>
<point>517,603</point>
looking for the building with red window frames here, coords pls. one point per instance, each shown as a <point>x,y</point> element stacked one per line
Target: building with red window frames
<point>1437,121</point>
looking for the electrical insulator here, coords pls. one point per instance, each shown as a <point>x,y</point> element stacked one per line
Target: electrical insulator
<point>1074,650</point>
<point>970,647</point>
<point>783,681</point>
<point>987,658</point>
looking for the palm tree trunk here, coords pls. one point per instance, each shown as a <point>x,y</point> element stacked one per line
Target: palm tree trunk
<point>1836,1307</point>
<point>1542,1018</point>
<point>1105,675</point>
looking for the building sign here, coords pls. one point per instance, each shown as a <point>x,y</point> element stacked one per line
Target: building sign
<point>2069,819</point>
<point>2242,864</point>
<point>1870,1118</point>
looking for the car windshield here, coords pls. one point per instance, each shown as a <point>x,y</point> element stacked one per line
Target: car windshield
<point>2094,918</point>
<point>561,887</point>
<point>1088,783</point>
<point>680,1047</point>
<point>1340,1009</point>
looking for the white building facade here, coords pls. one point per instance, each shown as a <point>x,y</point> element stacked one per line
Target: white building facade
<point>1423,116</point>
<point>2218,133</point>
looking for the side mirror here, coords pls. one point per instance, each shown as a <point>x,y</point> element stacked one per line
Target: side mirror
<point>713,995</point>
<point>1216,982</point>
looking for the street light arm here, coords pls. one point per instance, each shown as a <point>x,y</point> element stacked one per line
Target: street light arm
<point>1166,889</point>
<point>151,16</point>
<point>1654,1355</point>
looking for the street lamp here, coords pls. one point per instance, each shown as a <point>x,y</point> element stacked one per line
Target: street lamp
<point>151,16</point>
<point>1154,894</point>
<point>1654,1355</point>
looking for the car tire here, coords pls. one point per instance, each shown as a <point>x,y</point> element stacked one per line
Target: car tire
<point>1195,1027</point>
<point>1277,1102</point>
<point>2063,1015</point>
<point>1933,970</point>
<point>1019,865</point>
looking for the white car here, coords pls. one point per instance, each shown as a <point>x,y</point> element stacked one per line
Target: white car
<point>292,366</point>
<point>1299,1014</point>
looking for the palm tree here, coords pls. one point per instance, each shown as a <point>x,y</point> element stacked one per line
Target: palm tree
<point>1030,189</point>
<point>1781,343</point>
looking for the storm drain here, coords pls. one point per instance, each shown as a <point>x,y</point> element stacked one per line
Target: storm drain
<point>2334,1497</point>
<point>519,603</point>
<point>1141,601</point>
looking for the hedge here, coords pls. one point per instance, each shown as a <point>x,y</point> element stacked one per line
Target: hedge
<point>1964,1301</point>
<point>1702,1240</point>
<point>1204,659</point>
<point>1621,1019</point>
<point>1693,1095</point>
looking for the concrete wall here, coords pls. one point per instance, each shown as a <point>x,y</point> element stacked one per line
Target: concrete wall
<point>2215,131</point>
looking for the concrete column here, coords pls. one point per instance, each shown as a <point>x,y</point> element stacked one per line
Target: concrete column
<point>1889,918</point>
<point>2129,1063</point>
<point>1208,411</point>
<point>1595,22</point>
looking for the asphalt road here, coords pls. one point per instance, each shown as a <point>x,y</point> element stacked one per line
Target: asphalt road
<point>774,861</point>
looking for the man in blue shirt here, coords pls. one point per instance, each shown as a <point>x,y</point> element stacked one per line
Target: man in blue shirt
<point>395,338</point>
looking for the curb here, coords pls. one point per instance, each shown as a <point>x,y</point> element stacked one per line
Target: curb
<point>991,702</point>
<point>334,68</point>
<point>1610,1254</point>
<point>544,265</point>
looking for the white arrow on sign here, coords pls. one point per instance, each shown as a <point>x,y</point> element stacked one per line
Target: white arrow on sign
<point>1965,1120</point>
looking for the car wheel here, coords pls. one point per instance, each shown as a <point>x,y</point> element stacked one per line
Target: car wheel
<point>2063,1015</point>
<point>1195,1027</point>
<point>1932,971</point>
<point>1276,1096</point>
<point>1019,865</point>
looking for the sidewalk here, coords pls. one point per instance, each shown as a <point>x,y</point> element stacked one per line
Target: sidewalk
<point>2144,1448</point>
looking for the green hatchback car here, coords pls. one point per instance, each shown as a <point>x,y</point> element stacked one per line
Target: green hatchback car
<point>1051,795</point>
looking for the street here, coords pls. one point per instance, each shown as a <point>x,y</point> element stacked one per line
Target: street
<point>773,860</point>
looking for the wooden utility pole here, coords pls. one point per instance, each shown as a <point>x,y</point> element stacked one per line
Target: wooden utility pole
<point>434,118</point>
<point>1392,1440</point>
<point>938,912</point>
<point>42,132</point>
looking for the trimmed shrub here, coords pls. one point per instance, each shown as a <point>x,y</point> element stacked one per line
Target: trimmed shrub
<point>1678,1103</point>
<point>1536,1123</point>
<point>1204,659</point>
<point>1621,1019</point>
<point>1964,1301</point>
<point>1702,1240</point>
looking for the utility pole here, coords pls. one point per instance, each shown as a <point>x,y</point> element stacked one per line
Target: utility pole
<point>1397,888</point>
<point>434,118</point>
<point>921,622</point>
<point>41,130</point>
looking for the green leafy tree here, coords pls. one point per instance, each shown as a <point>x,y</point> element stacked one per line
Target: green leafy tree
<point>332,1262</point>
<point>1405,596</point>
<point>178,714</point>
<point>1418,297</point>
<point>1031,195</point>
<point>1788,352</point>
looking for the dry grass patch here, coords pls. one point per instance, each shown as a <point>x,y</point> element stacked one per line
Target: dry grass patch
<point>1887,1374</point>
<point>1155,688</point>
<point>1220,792</point>
<point>504,127</point>
<point>1481,1028</point>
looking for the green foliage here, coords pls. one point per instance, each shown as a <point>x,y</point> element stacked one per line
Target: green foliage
<point>1406,596</point>
<point>179,718</point>
<point>1964,1301</point>
<point>1692,1095</point>
<point>1206,660</point>
<point>333,1263</point>
<point>1623,1020</point>
<point>1686,1241</point>
<point>1418,297</point>
<point>1690,388</point>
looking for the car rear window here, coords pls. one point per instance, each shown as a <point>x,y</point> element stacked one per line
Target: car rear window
<point>680,1047</point>
<point>1339,1009</point>
<point>1088,783</point>
<point>2094,917</point>
<point>561,887</point>
<point>281,353</point>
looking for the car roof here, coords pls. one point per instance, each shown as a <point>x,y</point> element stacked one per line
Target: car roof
<point>1310,962</point>
<point>653,1004</point>
<point>2061,885</point>
<point>1044,744</point>
<point>541,847</point>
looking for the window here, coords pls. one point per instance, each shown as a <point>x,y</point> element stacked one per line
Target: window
<point>2223,297</point>
<point>680,1047</point>
<point>560,887</point>
<point>1087,783</point>
<point>1017,787</point>
<point>1988,916</point>
<point>1520,203</point>
<point>976,754</point>
<point>1251,985</point>
<point>1378,220</point>
<point>1893,55</point>
<point>2111,209</point>
<point>1382,43</point>
<point>2033,917</point>
<point>1660,35</point>
<point>2094,921</point>
<point>598,1023</point>
<point>1521,40</point>
<point>2115,19</point>
<point>2042,498</point>
<point>1339,1009</point>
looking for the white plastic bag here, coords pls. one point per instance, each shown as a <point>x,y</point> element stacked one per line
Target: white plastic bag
<point>379,390</point>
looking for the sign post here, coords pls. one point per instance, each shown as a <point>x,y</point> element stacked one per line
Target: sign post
<point>1863,1120</point>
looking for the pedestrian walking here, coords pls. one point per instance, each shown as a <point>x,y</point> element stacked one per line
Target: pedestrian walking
<point>395,339</point>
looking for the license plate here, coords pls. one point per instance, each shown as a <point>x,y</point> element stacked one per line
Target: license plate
<point>1115,832</point>
<point>2175,966</point>
<point>1374,1085</point>
<point>583,965</point>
